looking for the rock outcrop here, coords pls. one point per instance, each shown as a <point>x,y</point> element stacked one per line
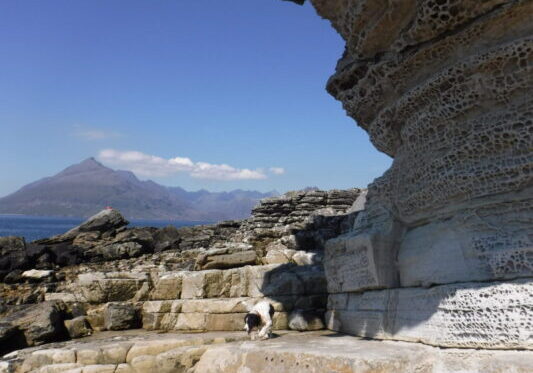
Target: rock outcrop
<point>445,88</point>
<point>191,279</point>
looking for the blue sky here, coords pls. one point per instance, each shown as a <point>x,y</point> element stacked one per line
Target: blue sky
<point>199,94</point>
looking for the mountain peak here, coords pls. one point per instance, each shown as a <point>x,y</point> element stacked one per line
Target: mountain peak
<point>91,162</point>
<point>88,165</point>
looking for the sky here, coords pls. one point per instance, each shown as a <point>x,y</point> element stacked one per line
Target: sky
<point>219,95</point>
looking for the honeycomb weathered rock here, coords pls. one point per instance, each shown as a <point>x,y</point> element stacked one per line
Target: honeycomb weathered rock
<point>445,88</point>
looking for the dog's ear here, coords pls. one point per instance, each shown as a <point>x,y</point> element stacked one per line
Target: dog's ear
<point>251,321</point>
<point>247,325</point>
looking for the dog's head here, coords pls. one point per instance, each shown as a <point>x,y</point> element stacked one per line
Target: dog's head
<point>251,321</point>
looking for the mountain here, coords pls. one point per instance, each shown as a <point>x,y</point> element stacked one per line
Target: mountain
<point>85,188</point>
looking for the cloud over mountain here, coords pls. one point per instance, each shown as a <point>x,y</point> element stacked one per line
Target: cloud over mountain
<point>153,166</point>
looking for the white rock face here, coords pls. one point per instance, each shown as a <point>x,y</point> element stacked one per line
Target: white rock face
<point>486,315</point>
<point>445,89</point>
<point>360,261</point>
<point>454,251</point>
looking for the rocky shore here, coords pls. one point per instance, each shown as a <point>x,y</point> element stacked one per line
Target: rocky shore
<point>104,297</point>
<point>429,270</point>
<point>104,276</point>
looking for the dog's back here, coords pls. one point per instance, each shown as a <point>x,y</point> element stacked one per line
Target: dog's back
<point>260,314</point>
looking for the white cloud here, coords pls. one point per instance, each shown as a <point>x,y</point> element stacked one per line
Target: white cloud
<point>277,170</point>
<point>93,134</point>
<point>153,166</point>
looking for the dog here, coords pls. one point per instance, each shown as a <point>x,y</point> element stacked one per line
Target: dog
<point>260,315</point>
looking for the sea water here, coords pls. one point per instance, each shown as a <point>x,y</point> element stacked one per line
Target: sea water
<point>37,227</point>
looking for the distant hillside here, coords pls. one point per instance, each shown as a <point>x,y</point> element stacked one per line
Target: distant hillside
<point>84,189</point>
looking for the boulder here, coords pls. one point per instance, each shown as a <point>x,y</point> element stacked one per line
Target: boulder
<point>120,316</point>
<point>11,244</point>
<point>104,221</point>
<point>38,275</point>
<point>13,253</point>
<point>40,323</point>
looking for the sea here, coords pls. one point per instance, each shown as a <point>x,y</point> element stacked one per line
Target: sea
<point>37,227</point>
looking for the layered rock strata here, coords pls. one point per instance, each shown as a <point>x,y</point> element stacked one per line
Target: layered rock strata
<point>445,88</point>
<point>201,278</point>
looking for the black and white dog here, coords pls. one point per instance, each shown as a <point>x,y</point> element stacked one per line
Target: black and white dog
<point>260,315</point>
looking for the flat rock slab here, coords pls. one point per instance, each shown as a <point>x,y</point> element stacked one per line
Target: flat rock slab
<point>327,352</point>
<point>137,351</point>
<point>101,350</point>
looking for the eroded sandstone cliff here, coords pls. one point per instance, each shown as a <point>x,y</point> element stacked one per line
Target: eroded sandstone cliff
<point>445,88</point>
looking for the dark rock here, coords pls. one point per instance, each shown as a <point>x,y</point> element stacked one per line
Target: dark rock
<point>39,323</point>
<point>121,250</point>
<point>13,277</point>
<point>143,236</point>
<point>121,316</point>
<point>45,261</point>
<point>11,244</point>
<point>11,338</point>
<point>65,254</point>
<point>13,253</point>
<point>167,238</point>
<point>87,240</point>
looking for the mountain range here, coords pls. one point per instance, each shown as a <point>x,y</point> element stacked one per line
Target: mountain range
<point>83,189</point>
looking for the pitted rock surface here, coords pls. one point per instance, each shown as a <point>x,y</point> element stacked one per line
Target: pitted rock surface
<point>445,88</point>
